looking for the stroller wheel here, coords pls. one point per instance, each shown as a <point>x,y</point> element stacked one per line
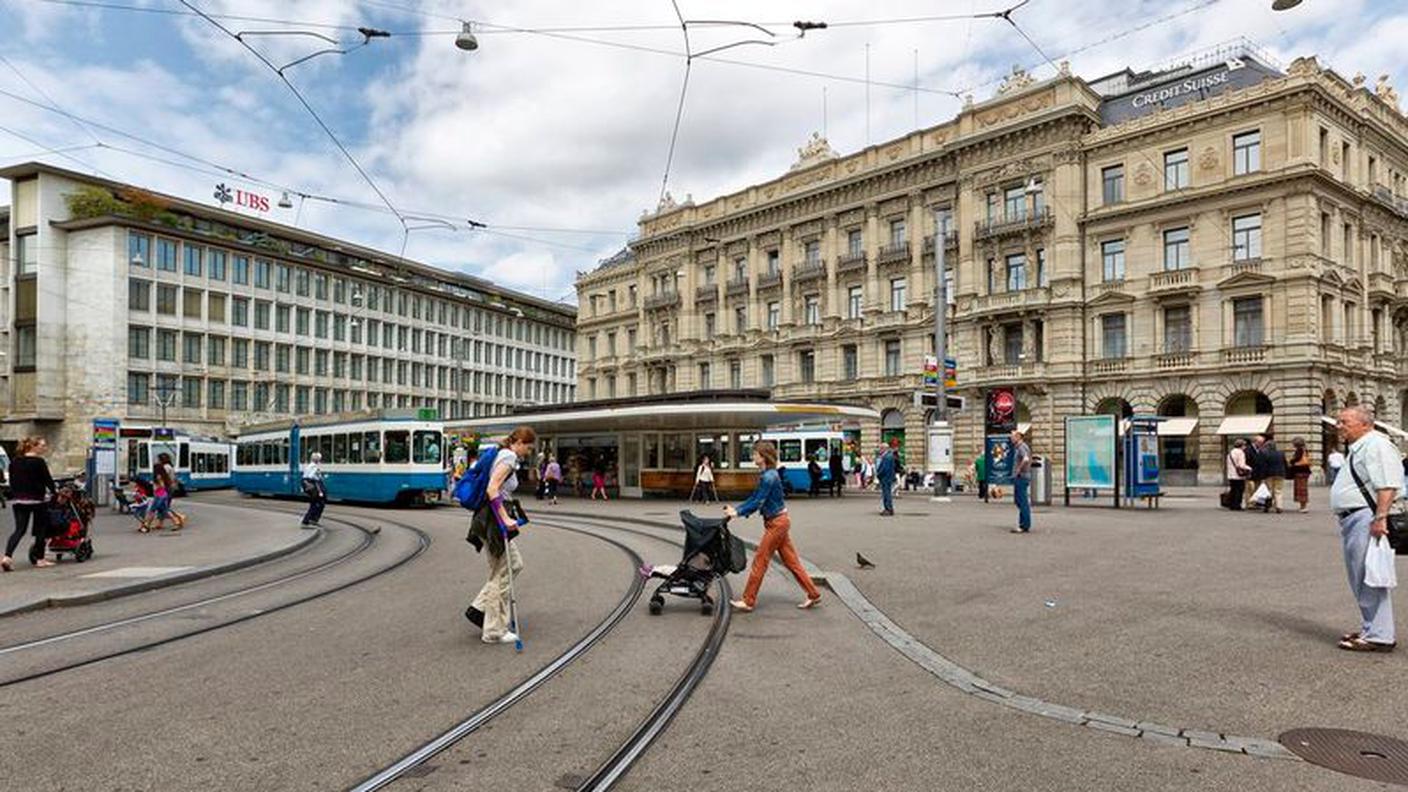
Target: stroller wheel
<point>657,604</point>
<point>84,552</point>
<point>706,608</point>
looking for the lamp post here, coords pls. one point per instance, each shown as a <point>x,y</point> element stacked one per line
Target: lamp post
<point>165,393</point>
<point>940,432</point>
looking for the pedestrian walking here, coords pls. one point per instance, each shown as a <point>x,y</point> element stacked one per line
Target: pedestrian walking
<point>1333,463</point>
<point>4,473</point>
<point>1256,471</point>
<point>30,484</point>
<point>1022,482</point>
<point>1273,471</point>
<point>867,472</point>
<point>163,491</point>
<point>980,472</point>
<point>497,522</point>
<point>777,524</point>
<point>315,489</point>
<point>1360,498</point>
<point>886,468</point>
<point>704,481</point>
<point>1299,470</point>
<point>813,477</point>
<point>1237,471</point>
<point>552,474</point>
<point>599,482</point>
<point>836,467</point>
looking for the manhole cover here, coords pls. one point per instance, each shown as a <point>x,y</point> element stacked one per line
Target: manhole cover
<point>1371,756</point>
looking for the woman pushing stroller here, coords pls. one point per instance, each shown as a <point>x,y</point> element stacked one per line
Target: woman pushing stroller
<point>767,498</point>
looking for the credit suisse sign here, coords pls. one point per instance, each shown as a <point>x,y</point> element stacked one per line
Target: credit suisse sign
<point>1229,75</point>
<point>1167,92</point>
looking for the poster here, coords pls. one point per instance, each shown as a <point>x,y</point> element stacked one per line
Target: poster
<point>105,462</point>
<point>1001,410</point>
<point>1148,456</point>
<point>999,452</point>
<point>1090,452</point>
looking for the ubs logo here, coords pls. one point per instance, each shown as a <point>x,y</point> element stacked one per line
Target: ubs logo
<point>248,200</point>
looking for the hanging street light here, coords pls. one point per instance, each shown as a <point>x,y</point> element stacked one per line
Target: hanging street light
<point>466,40</point>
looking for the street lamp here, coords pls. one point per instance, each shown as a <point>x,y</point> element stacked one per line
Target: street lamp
<point>1284,5</point>
<point>466,40</point>
<point>165,393</point>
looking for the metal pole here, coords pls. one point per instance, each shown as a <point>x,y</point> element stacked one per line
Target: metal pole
<point>941,482</point>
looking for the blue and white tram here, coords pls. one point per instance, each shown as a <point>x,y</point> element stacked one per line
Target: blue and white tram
<point>796,447</point>
<point>200,463</point>
<point>385,458</point>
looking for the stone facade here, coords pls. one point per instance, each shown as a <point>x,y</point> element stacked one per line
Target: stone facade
<point>242,321</point>
<point>1247,256</point>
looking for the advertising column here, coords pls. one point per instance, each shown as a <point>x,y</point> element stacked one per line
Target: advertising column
<point>999,421</point>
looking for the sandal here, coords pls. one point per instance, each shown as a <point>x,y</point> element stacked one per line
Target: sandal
<point>809,603</point>
<point>43,562</point>
<point>1361,645</point>
<point>740,606</point>
<point>7,565</point>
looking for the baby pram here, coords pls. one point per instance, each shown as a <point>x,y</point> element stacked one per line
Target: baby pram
<point>709,551</point>
<point>69,515</point>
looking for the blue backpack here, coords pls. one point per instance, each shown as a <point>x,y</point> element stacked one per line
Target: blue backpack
<point>471,489</point>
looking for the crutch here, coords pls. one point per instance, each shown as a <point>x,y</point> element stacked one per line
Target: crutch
<point>512,601</point>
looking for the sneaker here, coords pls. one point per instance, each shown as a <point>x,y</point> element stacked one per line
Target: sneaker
<point>506,638</point>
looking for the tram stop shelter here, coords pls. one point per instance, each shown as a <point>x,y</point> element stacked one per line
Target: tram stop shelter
<point>651,446</point>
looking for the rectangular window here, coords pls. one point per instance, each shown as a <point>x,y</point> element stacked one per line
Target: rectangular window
<point>239,311</point>
<point>191,303</point>
<point>240,272</point>
<point>769,367</point>
<point>812,252</point>
<point>855,242</point>
<point>300,360</point>
<point>1112,184</point>
<point>300,282</point>
<point>281,358</point>
<point>239,395</point>
<point>166,345</point>
<point>139,343</point>
<point>1016,272</point>
<point>708,333</point>
<point>138,387</point>
<point>302,318</point>
<point>1012,343</point>
<point>139,249</point>
<point>1112,335</point>
<point>898,291</point>
<point>216,397</point>
<point>261,355</point>
<point>281,318</point>
<point>855,302</point>
<point>26,346</point>
<point>704,377</point>
<point>1112,259</point>
<point>192,256</point>
<point>190,391</point>
<point>811,309</point>
<point>215,308</point>
<point>261,273</point>
<point>139,294</point>
<point>1041,274</point>
<point>1178,253</point>
<point>1246,237</point>
<point>215,350</point>
<point>992,206</point>
<point>1014,203</point>
<point>166,299</point>
<point>320,286</point>
<point>850,363</point>
<point>166,254</point>
<point>239,353</point>
<point>320,363</point>
<point>899,233</point>
<point>1178,329</point>
<point>892,357</point>
<point>806,366</point>
<point>1247,322</point>
<point>1176,169</point>
<point>283,278</point>
<point>1246,152</point>
<point>740,324</point>
<point>320,324</point>
<point>774,263</point>
<point>992,276</point>
<point>190,347</point>
<point>774,315</point>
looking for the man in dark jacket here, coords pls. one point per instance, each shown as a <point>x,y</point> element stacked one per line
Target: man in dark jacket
<point>838,473</point>
<point>1257,467</point>
<point>1272,467</point>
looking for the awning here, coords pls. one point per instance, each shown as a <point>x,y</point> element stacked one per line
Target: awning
<point>1244,425</point>
<point>1024,428</point>
<point>1177,427</point>
<point>1392,431</point>
<point>1328,421</point>
<point>671,416</point>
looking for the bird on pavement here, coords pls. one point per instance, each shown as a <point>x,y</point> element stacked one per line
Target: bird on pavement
<point>863,562</point>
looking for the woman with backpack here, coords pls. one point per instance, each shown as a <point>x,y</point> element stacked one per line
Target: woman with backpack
<point>30,482</point>
<point>767,499</point>
<point>496,525</point>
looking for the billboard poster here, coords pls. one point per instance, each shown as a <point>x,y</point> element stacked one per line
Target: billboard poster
<point>1001,410</point>
<point>1148,455</point>
<point>998,448</point>
<point>1090,452</point>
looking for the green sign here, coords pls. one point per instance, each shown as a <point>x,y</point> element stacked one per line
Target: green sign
<point>1090,451</point>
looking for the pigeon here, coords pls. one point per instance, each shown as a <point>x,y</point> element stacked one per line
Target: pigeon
<point>863,562</point>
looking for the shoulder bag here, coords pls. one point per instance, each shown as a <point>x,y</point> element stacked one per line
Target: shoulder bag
<point>1397,521</point>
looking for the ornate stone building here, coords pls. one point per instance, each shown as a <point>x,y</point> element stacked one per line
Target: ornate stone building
<point>1219,238</point>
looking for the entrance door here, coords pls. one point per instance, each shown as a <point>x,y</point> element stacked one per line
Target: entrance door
<point>630,465</point>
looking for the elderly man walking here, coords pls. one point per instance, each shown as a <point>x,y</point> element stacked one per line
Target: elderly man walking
<point>1022,482</point>
<point>1360,499</point>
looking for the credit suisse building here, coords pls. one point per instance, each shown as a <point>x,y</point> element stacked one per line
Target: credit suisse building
<point>1221,242</point>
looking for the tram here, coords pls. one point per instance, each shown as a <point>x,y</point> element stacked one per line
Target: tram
<point>796,446</point>
<point>201,463</point>
<point>388,457</point>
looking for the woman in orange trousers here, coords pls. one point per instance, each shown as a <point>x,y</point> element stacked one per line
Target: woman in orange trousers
<point>767,499</point>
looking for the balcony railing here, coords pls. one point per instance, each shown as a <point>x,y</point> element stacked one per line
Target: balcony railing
<point>736,287</point>
<point>1174,280</point>
<point>1240,266</point>
<point>805,271</point>
<point>1005,301</point>
<point>1245,354</point>
<point>1109,365</point>
<point>707,293</point>
<point>768,280</point>
<point>950,241</point>
<point>668,299</point>
<point>895,251</point>
<point>1010,225</point>
<point>1175,359</point>
<point>1381,282</point>
<point>851,262</point>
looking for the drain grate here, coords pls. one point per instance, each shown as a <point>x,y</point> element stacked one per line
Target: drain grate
<point>1371,756</point>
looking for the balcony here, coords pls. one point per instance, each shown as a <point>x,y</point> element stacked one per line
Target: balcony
<point>707,293</point>
<point>769,280</point>
<point>1244,355</point>
<point>1248,265</point>
<point>1175,359</point>
<point>887,319</point>
<point>851,262</point>
<point>669,299</point>
<point>893,252</point>
<point>806,271</point>
<point>736,287</point>
<point>1174,280</point>
<point>984,229</point>
<point>1011,301</point>
<point>1382,283</point>
<point>950,242</point>
<point>1109,365</point>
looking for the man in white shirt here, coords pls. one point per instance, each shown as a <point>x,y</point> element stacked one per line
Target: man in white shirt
<point>1360,499</point>
<point>314,489</point>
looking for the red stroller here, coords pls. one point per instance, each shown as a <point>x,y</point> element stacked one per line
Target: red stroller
<point>69,514</point>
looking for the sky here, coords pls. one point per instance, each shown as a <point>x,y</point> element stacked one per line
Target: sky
<point>557,139</point>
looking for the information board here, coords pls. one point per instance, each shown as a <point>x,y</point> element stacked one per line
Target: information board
<point>1090,452</point>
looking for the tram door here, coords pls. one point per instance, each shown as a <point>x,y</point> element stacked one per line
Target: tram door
<point>630,465</point>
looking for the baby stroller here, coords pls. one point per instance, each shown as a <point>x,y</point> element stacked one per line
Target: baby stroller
<point>709,551</point>
<point>69,516</point>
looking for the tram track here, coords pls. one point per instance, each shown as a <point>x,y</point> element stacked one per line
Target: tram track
<point>369,538</point>
<point>640,738</point>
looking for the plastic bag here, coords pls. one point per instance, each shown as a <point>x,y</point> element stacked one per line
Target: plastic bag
<point>1262,495</point>
<point>1379,571</point>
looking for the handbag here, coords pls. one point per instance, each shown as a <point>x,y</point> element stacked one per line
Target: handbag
<point>1397,522</point>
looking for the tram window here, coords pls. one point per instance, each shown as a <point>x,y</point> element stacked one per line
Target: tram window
<point>198,463</point>
<point>354,448</point>
<point>789,451</point>
<point>716,447</point>
<point>339,449</point>
<point>144,457</point>
<point>305,448</point>
<point>283,452</point>
<point>427,448</point>
<point>745,449</point>
<point>398,449</point>
<point>817,447</point>
<point>371,448</point>
<point>185,456</point>
<point>325,447</point>
<point>266,453</point>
